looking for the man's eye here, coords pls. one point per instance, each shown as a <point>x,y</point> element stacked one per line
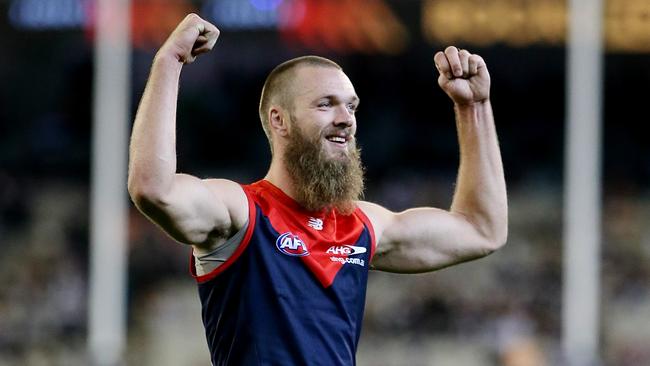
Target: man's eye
<point>324,105</point>
<point>352,108</point>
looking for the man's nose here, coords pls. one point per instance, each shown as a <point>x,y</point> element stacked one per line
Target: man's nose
<point>344,117</point>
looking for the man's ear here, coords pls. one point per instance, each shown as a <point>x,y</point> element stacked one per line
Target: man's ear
<point>279,121</point>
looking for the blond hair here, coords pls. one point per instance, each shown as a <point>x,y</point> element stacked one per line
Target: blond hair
<point>277,87</point>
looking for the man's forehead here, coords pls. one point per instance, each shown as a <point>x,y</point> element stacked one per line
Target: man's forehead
<point>316,81</point>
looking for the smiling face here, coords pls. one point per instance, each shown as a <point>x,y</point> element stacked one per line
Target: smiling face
<point>319,148</point>
<point>322,107</point>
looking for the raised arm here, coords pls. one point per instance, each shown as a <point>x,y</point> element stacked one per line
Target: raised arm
<point>426,239</point>
<point>191,210</point>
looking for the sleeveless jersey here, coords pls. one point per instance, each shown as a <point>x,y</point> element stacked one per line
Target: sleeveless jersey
<point>293,293</point>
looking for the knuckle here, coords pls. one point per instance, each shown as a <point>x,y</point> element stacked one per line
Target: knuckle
<point>451,49</point>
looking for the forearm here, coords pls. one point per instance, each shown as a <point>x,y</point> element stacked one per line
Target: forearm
<point>480,188</point>
<point>152,160</point>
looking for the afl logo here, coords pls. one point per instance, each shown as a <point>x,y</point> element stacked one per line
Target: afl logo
<point>290,244</point>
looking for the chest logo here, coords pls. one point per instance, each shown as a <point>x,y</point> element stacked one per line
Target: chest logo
<point>291,244</point>
<point>342,253</point>
<point>314,223</point>
<point>345,250</point>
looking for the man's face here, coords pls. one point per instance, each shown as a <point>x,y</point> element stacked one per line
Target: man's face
<point>320,152</point>
<point>324,103</point>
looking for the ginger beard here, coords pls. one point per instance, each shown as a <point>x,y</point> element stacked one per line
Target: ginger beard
<point>322,182</point>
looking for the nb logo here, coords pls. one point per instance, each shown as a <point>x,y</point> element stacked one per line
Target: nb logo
<point>316,224</point>
<point>290,244</point>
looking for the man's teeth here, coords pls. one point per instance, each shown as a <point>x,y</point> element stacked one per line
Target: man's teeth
<point>337,139</point>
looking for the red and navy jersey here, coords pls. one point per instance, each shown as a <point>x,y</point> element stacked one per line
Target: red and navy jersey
<point>293,293</point>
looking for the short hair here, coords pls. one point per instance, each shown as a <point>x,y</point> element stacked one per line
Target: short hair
<point>277,86</point>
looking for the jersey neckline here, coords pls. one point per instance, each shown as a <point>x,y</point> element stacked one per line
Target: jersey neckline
<point>280,195</point>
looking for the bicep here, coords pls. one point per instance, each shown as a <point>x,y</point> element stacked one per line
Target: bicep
<point>426,239</point>
<point>197,211</point>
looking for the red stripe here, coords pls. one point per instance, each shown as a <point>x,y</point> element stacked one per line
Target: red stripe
<point>242,246</point>
<point>371,230</point>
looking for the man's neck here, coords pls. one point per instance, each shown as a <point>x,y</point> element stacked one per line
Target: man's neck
<point>279,177</point>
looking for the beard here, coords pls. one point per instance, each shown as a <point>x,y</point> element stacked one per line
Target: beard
<point>322,182</point>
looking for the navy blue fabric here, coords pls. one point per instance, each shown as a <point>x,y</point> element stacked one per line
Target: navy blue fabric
<point>267,308</point>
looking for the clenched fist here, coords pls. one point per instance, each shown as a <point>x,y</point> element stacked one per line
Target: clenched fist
<point>463,76</point>
<point>192,37</point>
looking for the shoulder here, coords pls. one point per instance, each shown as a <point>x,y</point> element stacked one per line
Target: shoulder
<point>379,216</point>
<point>233,196</point>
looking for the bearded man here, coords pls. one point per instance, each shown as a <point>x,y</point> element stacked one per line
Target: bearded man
<point>282,263</point>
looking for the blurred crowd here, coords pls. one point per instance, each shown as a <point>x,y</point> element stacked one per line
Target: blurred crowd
<point>501,310</point>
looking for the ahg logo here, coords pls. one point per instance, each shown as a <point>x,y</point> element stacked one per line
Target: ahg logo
<point>346,250</point>
<point>290,244</point>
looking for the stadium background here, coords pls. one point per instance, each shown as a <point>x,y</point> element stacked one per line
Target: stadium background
<point>502,310</point>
